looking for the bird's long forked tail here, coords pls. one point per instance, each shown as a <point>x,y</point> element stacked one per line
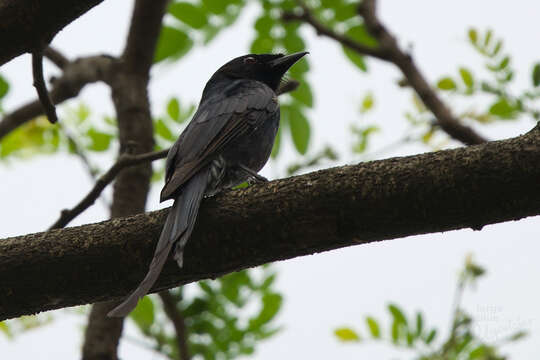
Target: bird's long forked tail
<point>177,229</point>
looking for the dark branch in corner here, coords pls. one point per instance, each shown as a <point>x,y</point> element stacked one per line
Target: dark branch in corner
<point>175,315</point>
<point>41,88</point>
<point>25,23</point>
<point>389,50</point>
<point>124,161</point>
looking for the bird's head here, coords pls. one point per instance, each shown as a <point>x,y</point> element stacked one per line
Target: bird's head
<point>266,68</point>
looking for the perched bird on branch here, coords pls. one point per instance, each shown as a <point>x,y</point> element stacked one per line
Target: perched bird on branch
<point>228,140</point>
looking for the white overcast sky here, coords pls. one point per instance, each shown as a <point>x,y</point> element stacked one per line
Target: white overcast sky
<point>335,288</point>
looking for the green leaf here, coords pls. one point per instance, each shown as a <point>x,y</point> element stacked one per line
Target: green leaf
<point>497,48</point>
<point>367,103</point>
<point>478,352</point>
<point>373,327</point>
<point>264,24</point>
<point>216,6</point>
<point>300,129</point>
<point>517,336</point>
<point>143,314</point>
<point>271,303</point>
<point>188,14</point>
<point>268,282</point>
<point>467,77</point>
<point>163,131</point>
<point>172,44</point>
<point>503,109</point>
<point>397,314</point>
<point>100,140</point>
<point>173,109</point>
<point>446,84</point>
<point>303,94</point>
<point>346,334</point>
<point>536,74</point>
<point>394,332</point>
<point>504,63</point>
<point>4,87</point>
<point>262,44</point>
<point>5,329</point>
<point>356,59</point>
<point>345,11</point>
<point>431,336</point>
<point>473,36</point>
<point>293,43</point>
<point>360,34</point>
<point>487,38</point>
<point>277,143</point>
<point>419,324</point>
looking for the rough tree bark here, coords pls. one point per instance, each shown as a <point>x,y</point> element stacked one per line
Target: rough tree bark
<point>129,83</point>
<point>446,190</point>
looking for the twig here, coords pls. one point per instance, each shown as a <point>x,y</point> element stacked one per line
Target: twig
<point>176,317</point>
<point>80,153</point>
<point>56,57</point>
<point>39,84</point>
<point>124,160</point>
<point>287,86</point>
<point>389,50</point>
<point>307,17</point>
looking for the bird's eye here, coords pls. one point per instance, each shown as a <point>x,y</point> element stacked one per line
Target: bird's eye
<point>250,60</point>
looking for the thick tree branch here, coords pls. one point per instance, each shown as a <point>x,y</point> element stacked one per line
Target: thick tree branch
<point>143,35</point>
<point>446,190</point>
<point>388,50</point>
<point>28,23</point>
<point>76,75</point>
<point>124,161</point>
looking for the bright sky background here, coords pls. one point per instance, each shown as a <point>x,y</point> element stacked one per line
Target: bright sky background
<point>340,287</point>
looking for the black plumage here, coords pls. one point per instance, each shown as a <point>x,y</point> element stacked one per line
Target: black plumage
<point>228,140</point>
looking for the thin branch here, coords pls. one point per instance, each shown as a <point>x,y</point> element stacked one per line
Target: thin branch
<point>389,50</point>
<point>41,88</point>
<point>56,57</point>
<point>125,160</point>
<point>307,16</point>
<point>175,315</point>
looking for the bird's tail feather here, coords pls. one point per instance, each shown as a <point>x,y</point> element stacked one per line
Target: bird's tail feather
<point>177,228</point>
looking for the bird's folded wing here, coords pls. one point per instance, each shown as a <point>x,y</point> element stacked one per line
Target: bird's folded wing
<point>217,122</point>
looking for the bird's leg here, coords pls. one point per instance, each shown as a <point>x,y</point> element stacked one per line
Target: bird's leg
<point>252,174</point>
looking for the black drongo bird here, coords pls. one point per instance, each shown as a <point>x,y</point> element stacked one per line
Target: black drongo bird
<point>228,140</point>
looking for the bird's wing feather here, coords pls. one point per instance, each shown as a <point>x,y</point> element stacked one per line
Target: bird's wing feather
<point>216,123</point>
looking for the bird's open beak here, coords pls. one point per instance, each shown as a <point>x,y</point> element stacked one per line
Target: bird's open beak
<point>285,62</point>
